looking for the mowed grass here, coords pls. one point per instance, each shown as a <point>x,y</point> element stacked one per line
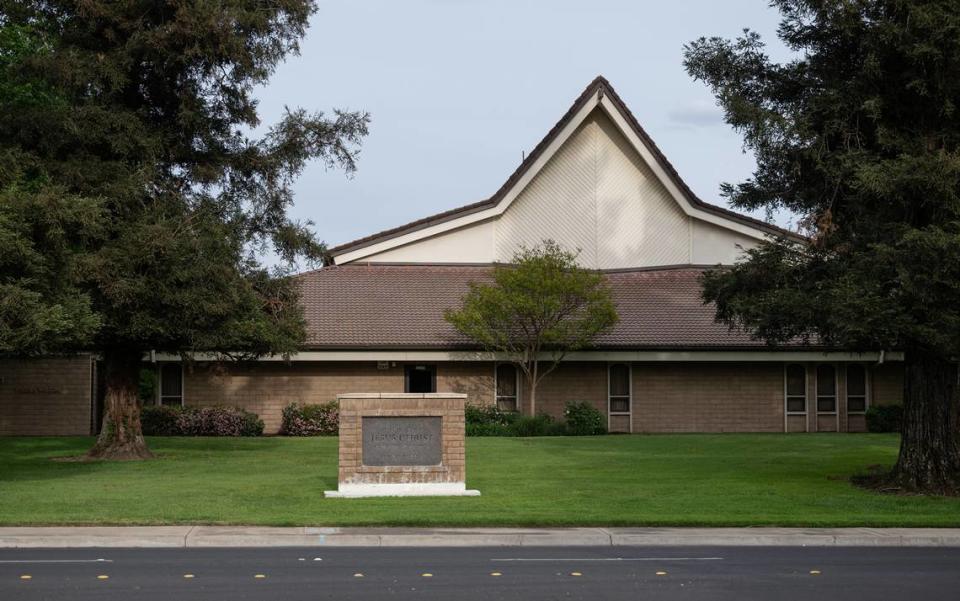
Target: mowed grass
<point>714,480</point>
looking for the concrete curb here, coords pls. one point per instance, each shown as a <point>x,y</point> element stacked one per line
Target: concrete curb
<point>253,536</point>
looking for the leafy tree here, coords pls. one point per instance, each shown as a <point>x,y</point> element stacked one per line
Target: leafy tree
<point>41,227</point>
<point>859,133</point>
<point>135,196</point>
<point>538,308</point>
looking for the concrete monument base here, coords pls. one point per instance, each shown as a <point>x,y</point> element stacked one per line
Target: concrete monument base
<point>357,491</point>
<point>401,445</point>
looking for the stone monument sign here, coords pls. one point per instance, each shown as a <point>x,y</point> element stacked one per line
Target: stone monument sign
<point>401,444</point>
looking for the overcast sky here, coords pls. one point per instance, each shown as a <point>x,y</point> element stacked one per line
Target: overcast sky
<point>459,89</point>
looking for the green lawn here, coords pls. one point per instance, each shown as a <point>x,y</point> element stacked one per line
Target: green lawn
<point>716,480</point>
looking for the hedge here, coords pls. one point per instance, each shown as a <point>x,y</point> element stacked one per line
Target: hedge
<point>580,419</point>
<point>884,418</point>
<point>311,420</point>
<point>162,420</point>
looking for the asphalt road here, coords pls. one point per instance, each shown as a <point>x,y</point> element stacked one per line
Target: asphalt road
<point>636,573</point>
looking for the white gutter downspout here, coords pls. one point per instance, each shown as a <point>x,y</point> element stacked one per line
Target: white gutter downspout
<point>882,355</point>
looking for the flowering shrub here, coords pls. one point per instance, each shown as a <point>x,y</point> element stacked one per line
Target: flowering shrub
<point>311,420</point>
<point>200,421</point>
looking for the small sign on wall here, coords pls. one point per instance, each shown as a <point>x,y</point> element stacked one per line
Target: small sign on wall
<point>383,365</point>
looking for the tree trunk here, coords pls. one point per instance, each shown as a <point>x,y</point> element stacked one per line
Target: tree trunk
<point>121,437</point>
<point>929,459</point>
<point>533,391</point>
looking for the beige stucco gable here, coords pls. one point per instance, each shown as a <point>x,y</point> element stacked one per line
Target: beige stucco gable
<point>595,194</point>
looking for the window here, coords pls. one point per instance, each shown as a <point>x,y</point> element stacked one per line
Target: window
<point>856,389</point>
<point>507,387</point>
<point>171,384</point>
<point>796,389</point>
<point>826,389</point>
<point>420,378</point>
<point>619,388</point>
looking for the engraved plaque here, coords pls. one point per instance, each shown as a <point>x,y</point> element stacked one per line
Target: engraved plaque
<point>401,440</point>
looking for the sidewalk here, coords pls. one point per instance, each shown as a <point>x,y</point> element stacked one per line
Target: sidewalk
<point>251,536</point>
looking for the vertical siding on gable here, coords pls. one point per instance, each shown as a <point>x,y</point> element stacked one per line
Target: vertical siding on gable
<point>712,244</point>
<point>559,203</point>
<point>471,244</point>
<point>597,195</point>
<point>638,221</point>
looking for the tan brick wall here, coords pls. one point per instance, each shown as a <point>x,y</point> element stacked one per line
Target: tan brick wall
<point>452,467</point>
<point>887,384</point>
<point>474,379</point>
<point>574,381</point>
<point>45,397</point>
<point>796,423</point>
<point>267,387</point>
<point>667,397</point>
<point>708,397</point>
<point>619,423</point>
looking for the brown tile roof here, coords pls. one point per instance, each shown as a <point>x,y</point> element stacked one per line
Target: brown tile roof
<point>598,85</point>
<point>370,306</point>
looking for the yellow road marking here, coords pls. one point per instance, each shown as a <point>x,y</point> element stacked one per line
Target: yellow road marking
<point>661,573</point>
<point>427,575</point>
<point>815,572</point>
<point>102,577</point>
<point>259,576</point>
<point>358,575</point>
<point>576,574</point>
<point>496,574</point>
<point>26,577</point>
<point>188,575</point>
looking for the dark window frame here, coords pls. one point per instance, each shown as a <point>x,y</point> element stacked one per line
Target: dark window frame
<point>502,401</point>
<point>787,396</point>
<point>162,397</point>
<point>832,397</point>
<point>430,367</point>
<point>611,398</point>
<point>865,396</point>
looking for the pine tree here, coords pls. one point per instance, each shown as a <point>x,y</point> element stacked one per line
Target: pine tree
<point>133,193</point>
<point>859,134</point>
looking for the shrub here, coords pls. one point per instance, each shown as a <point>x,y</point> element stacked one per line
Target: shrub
<point>583,419</point>
<point>148,384</point>
<point>159,420</point>
<point>200,421</point>
<point>251,425</point>
<point>540,425</point>
<point>489,429</point>
<point>311,420</point>
<point>488,414</point>
<point>885,418</point>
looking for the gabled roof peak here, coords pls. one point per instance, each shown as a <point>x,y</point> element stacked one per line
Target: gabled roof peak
<point>598,93</point>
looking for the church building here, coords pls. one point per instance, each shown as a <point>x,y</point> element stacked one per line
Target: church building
<point>596,184</point>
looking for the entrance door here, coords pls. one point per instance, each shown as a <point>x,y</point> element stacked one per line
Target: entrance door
<point>420,378</point>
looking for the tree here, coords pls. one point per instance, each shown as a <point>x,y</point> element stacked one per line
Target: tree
<point>135,193</point>
<point>859,134</point>
<point>542,304</point>
<point>41,228</point>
